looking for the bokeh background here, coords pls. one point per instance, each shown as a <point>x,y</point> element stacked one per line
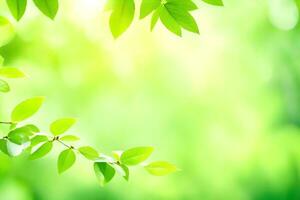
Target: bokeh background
<point>223,106</point>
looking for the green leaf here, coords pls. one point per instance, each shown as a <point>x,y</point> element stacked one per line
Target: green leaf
<point>65,160</point>
<point>6,31</point>
<point>136,155</point>
<point>69,138</point>
<point>182,17</point>
<point>121,17</point>
<point>3,146</point>
<point>38,139</point>
<point>126,171</point>
<point>183,4</point>
<point>17,8</point>
<point>160,168</point>
<point>41,151</point>
<point>47,7</point>
<point>1,60</point>
<point>148,6</point>
<point>4,87</point>
<point>104,172</point>
<point>26,109</point>
<point>60,126</point>
<point>89,152</point>
<point>19,136</point>
<point>155,18</point>
<point>214,2</point>
<point>27,130</point>
<point>10,72</point>
<point>169,22</point>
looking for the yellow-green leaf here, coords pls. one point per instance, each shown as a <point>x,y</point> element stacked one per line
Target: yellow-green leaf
<point>160,168</point>
<point>65,160</point>
<point>4,87</point>
<point>136,155</point>
<point>214,2</point>
<point>6,31</point>
<point>17,8</point>
<point>47,7</point>
<point>42,151</point>
<point>89,152</point>
<point>11,72</point>
<point>69,138</point>
<point>60,126</point>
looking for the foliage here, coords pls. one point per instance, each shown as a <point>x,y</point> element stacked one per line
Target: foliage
<point>174,14</point>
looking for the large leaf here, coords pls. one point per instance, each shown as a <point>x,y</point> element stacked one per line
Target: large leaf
<point>65,160</point>
<point>60,126</point>
<point>160,168</point>
<point>89,152</point>
<point>41,151</point>
<point>47,7</point>
<point>17,8</point>
<point>4,87</point>
<point>121,17</point>
<point>26,109</point>
<point>10,72</point>
<point>148,6</point>
<point>136,155</point>
<point>104,172</point>
<point>214,2</point>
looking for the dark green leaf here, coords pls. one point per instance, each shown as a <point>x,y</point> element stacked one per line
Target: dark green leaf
<point>17,8</point>
<point>136,155</point>
<point>104,172</point>
<point>65,160</point>
<point>3,146</point>
<point>41,151</point>
<point>47,7</point>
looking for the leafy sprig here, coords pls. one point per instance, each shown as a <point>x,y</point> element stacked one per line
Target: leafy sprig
<point>175,15</point>
<point>23,136</point>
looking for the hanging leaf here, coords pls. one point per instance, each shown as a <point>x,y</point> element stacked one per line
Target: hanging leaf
<point>17,8</point>
<point>42,151</point>
<point>26,109</point>
<point>47,7</point>
<point>10,72</point>
<point>104,172</point>
<point>160,168</point>
<point>65,160</point>
<point>214,2</point>
<point>60,126</point>
<point>136,155</point>
<point>148,6</point>
<point>38,139</point>
<point>89,152</point>
<point>18,136</point>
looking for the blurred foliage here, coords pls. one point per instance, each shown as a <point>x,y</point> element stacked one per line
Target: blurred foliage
<point>224,106</point>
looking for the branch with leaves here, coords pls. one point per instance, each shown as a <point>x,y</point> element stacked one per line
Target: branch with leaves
<point>26,137</point>
<point>174,14</point>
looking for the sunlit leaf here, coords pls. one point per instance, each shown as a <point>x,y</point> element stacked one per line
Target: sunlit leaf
<point>214,2</point>
<point>18,136</point>
<point>17,8</point>
<point>26,109</point>
<point>183,4</point>
<point>169,22</point>
<point>10,72</point>
<point>160,168</point>
<point>155,18</point>
<point>38,139</point>
<point>148,6</point>
<point>104,172</point>
<point>69,138</point>
<point>89,152</point>
<point>47,7</point>
<point>42,151</point>
<point>65,160</point>
<point>136,155</point>
<point>60,126</point>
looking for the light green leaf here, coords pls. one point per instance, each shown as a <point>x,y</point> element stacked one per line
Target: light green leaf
<point>26,109</point>
<point>155,18</point>
<point>182,17</point>
<point>89,152</point>
<point>69,138</point>
<point>121,17</point>
<point>17,8</point>
<point>214,2</point>
<point>148,6</point>
<point>169,22</point>
<point>18,136</point>
<point>6,31</point>
<point>136,155</point>
<point>11,72</point>
<point>110,5</point>
<point>4,87</point>
<point>41,151</point>
<point>65,160</point>
<point>47,7</point>
<point>60,126</point>
<point>104,172</point>
<point>187,5</point>
<point>126,171</point>
<point>38,139</point>
<point>27,130</point>
<point>3,146</point>
<point>160,168</point>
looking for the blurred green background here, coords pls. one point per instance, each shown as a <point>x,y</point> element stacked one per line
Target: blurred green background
<point>223,106</point>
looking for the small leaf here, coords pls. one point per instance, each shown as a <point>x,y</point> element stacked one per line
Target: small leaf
<point>60,126</point>
<point>89,152</point>
<point>126,171</point>
<point>26,109</point>
<point>18,136</point>
<point>38,139</point>
<point>41,151</point>
<point>47,7</point>
<point>104,172</point>
<point>11,72</point>
<point>4,87</point>
<point>136,155</point>
<point>17,8</point>
<point>3,146</point>
<point>65,160</point>
<point>149,6</point>
<point>117,155</point>
<point>214,2</point>
<point>121,17</point>
<point>69,138</point>
<point>160,168</point>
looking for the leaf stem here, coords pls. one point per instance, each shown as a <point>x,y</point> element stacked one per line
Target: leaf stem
<point>8,123</point>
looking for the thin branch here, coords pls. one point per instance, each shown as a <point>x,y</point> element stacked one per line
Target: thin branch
<point>8,123</point>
